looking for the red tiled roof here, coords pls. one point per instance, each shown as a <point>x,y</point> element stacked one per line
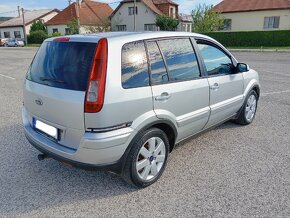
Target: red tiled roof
<point>228,6</point>
<point>90,13</point>
<point>158,2</point>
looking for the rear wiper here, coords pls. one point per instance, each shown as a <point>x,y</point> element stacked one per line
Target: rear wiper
<point>51,80</point>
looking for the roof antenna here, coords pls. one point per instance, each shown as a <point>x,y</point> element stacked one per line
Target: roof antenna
<point>69,2</point>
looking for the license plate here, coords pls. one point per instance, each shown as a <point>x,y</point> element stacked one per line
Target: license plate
<point>45,128</point>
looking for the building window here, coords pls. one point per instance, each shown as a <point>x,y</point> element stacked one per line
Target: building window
<point>150,27</point>
<point>131,10</point>
<point>121,28</point>
<point>17,34</point>
<point>6,34</point>
<point>188,27</point>
<point>227,24</point>
<point>67,31</point>
<point>271,22</point>
<point>55,30</point>
<point>172,12</point>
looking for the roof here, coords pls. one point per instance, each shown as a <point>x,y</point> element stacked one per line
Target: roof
<point>159,2</point>
<point>29,16</point>
<point>128,36</point>
<point>228,6</point>
<point>90,13</point>
<point>151,4</point>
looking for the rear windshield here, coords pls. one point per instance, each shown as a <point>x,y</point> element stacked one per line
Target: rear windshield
<point>63,65</point>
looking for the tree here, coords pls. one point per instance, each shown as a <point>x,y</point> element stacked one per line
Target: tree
<point>105,27</point>
<point>37,25</point>
<point>205,19</point>
<point>166,23</point>
<point>73,26</point>
<point>37,37</point>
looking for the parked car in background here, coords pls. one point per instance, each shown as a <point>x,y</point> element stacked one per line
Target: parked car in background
<point>3,41</point>
<point>121,101</point>
<point>15,43</point>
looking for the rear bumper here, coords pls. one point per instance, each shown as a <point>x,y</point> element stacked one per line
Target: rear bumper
<point>96,150</point>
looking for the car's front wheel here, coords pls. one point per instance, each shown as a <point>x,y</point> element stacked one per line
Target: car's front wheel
<point>249,109</point>
<point>147,158</point>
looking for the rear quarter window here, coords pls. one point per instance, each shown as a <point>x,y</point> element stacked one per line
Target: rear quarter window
<point>134,65</point>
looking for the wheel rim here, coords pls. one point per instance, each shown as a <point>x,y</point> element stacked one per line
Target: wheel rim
<point>251,108</point>
<point>151,158</point>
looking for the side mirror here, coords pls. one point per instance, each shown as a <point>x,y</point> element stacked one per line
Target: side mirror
<point>241,67</point>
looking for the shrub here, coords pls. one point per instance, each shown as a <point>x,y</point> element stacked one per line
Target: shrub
<point>252,38</point>
<point>166,23</point>
<point>37,25</point>
<point>55,34</point>
<point>37,37</point>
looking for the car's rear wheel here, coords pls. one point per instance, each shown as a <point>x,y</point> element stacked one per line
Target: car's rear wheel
<point>249,109</point>
<point>147,158</point>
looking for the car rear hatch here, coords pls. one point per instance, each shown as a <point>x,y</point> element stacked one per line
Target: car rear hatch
<point>55,89</point>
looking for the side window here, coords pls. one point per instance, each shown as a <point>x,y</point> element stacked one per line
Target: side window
<point>180,59</point>
<point>134,65</point>
<point>158,70</point>
<point>216,61</point>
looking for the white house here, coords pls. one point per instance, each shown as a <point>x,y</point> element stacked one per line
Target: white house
<point>13,28</point>
<point>122,19</point>
<point>251,15</point>
<point>89,13</point>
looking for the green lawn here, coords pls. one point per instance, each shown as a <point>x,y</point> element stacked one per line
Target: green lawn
<point>258,47</point>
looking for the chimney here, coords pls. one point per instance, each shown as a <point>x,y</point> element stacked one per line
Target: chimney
<point>18,9</point>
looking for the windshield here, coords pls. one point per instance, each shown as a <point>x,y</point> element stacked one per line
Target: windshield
<point>63,65</point>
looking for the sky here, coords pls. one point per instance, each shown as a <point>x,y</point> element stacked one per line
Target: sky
<point>9,7</point>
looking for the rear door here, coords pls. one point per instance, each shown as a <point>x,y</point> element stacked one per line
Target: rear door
<point>55,88</point>
<point>226,86</point>
<point>180,93</point>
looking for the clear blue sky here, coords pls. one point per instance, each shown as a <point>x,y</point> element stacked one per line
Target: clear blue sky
<point>185,6</point>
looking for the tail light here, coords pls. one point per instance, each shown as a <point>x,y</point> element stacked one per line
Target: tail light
<point>97,80</point>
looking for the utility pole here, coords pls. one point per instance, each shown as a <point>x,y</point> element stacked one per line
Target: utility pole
<point>24,32</point>
<point>135,15</point>
<point>78,16</point>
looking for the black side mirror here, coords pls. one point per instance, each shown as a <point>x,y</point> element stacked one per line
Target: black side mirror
<point>241,67</point>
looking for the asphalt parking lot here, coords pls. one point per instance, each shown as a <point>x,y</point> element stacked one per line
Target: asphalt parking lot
<point>231,171</point>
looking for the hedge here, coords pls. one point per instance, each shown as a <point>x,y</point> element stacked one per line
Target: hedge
<point>37,37</point>
<point>252,38</point>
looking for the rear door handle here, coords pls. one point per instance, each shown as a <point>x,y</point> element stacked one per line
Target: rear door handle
<point>215,86</point>
<point>163,97</point>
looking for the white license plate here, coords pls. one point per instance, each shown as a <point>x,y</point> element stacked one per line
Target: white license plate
<point>45,128</point>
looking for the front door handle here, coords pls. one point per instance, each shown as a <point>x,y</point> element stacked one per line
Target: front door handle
<point>215,86</point>
<point>163,97</point>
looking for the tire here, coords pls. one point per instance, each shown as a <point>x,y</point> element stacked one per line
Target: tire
<point>248,112</point>
<point>150,149</point>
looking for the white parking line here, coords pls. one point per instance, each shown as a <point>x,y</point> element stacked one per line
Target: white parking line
<point>9,77</point>
<point>272,93</point>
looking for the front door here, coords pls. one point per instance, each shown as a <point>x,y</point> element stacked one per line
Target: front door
<point>226,86</point>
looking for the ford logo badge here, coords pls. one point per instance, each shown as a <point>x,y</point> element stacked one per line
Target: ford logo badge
<point>39,102</point>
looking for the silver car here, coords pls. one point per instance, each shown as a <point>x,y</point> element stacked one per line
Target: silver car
<point>14,43</point>
<point>122,101</point>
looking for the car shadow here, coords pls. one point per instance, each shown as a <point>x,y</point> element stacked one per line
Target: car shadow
<point>226,125</point>
<point>27,184</point>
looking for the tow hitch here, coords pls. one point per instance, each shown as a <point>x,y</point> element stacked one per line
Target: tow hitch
<point>42,157</point>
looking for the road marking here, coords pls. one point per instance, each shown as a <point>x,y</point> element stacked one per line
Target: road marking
<point>282,74</point>
<point>9,77</point>
<point>272,93</point>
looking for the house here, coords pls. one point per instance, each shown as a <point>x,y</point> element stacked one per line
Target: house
<point>91,14</point>
<point>13,28</point>
<point>243,15</point>
<point>122,19</point>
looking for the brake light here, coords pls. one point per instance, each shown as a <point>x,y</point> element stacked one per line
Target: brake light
<point>97,80</point>
<point>61,39</point>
